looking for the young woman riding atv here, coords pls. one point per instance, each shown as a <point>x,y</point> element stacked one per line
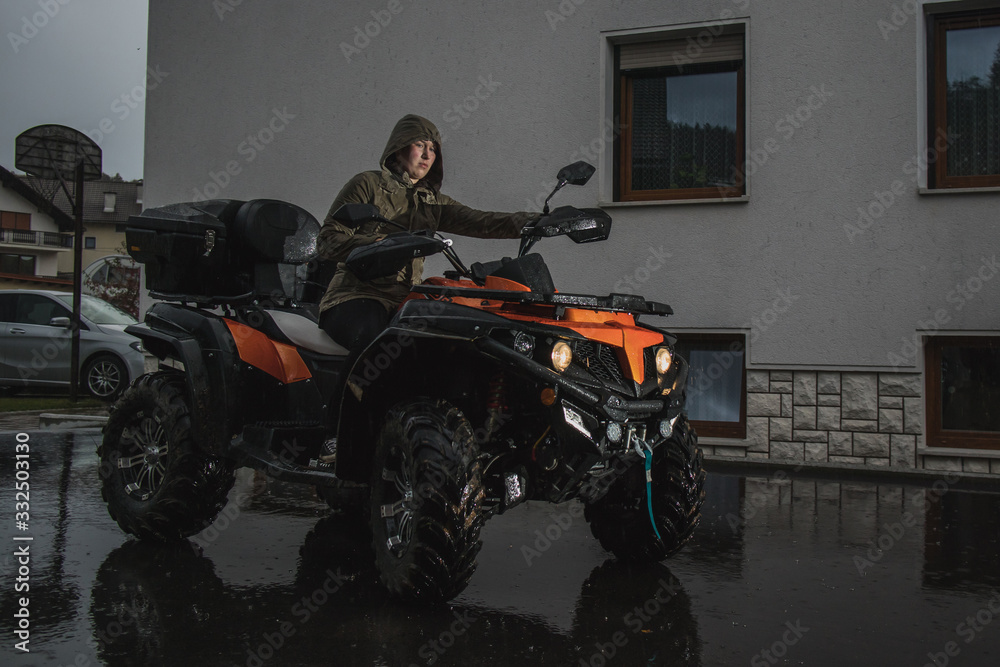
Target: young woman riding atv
<point>406,190</point>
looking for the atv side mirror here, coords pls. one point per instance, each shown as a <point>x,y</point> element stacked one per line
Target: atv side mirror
<point>354,215</point>
<point>577,173</point>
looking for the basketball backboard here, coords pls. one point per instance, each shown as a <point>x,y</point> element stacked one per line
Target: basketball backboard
<point>53,152</point>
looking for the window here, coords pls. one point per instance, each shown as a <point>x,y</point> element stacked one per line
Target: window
<point>37,309</point>
<point>963,391</point>
<point>90,242</point>
<point>22,265</point>
<point>10,220</point>
<point>965,104</point>
<point>7,305</point>
<point>109,202</point>
<point>717,386</point>
<point>681,109</point>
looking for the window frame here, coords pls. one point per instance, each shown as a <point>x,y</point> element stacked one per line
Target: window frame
<point>24,301</point>
<point>623,105</point>
<point>935,434</point>
<point>24,268</point>
<point>720,429</point>
<point>940,24</point>
<point>15,220</point>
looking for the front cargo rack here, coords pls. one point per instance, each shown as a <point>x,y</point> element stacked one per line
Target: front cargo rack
<point>623,303</point>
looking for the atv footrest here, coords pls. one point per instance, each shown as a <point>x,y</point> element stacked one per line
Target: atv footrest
<point>274,450</point>
<point>289,440</point>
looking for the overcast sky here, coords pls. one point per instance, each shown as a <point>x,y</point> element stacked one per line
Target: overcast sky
<point>80,63</point>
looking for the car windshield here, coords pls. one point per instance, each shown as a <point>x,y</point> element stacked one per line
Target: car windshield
<point>98,311</point>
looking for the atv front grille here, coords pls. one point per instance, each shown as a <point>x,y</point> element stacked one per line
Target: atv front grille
<point>649,363</point>
<point>601,361</point>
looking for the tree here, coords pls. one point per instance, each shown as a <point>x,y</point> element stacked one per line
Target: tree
<point>120,284</point>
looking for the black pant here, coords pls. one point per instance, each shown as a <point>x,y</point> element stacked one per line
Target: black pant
<point>355,323</point>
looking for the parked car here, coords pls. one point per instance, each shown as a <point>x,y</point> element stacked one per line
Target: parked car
<point>36,343</point>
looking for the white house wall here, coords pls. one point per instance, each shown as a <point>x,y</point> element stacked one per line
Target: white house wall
<point>46,259</point>
<point>40,222</point>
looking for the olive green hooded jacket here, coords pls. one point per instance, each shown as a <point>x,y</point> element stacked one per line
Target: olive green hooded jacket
<point>418,206</point>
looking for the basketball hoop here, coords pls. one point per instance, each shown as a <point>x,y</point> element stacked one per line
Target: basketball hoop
<point>62,156</point>
<point>46,187</point>
<point>54,151</point>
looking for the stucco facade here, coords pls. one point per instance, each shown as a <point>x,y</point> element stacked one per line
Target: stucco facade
<point>836,262</point>
<point>47,255</point>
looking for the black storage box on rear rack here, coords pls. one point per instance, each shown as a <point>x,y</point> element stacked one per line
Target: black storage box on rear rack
<point>222,250</point>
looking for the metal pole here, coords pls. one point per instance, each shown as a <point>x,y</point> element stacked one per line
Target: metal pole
<point>74,376</point>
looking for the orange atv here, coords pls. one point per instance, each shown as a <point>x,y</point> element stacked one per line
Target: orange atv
<point>488,388</point>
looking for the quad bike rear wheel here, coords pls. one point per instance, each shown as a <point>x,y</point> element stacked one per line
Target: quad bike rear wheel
<point>620,520</point>
<point>155,480</point>
<point>426,501</point>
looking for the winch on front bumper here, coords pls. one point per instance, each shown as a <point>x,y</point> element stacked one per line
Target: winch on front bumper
<point>599,430</point>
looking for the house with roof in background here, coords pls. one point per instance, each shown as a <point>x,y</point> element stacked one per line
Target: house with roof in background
<point>107,205</point>
<point>36,237</point>
<point>32,253</point>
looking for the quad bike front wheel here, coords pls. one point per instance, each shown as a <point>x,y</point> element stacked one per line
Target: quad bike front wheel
<point>155,480</point>
<point>426,501</point>
<point>620,520</point>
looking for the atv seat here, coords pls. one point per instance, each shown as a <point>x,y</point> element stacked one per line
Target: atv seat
<point>304,332</point>
<point>275,240</point>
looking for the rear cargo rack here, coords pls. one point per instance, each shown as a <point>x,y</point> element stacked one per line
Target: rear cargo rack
<point>235,300</point>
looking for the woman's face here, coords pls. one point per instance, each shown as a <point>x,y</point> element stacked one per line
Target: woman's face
<point>417,159</point>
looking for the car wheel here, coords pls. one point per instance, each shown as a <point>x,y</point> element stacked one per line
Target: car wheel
<point>105,377</point>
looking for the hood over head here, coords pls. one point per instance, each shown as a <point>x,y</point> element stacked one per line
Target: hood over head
<point>410,129</point>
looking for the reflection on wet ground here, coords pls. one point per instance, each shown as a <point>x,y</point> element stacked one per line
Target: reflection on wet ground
<point>783,570</point>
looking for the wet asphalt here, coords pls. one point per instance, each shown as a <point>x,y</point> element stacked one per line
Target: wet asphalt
<point>785,569</point>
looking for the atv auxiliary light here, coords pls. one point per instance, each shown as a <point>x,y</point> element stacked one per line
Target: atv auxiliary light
<point>562,356</point>
<point>614,431</point>
<point>524,343</point>
<point>667,427</point>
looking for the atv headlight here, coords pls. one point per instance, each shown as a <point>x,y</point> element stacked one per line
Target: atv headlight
<point>562,356</point>
<point>663,360</point>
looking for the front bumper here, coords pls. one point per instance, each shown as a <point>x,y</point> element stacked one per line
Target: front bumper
<point>607,405</point>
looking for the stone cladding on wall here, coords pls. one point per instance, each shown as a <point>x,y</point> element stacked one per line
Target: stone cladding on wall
<point>862,418</point>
